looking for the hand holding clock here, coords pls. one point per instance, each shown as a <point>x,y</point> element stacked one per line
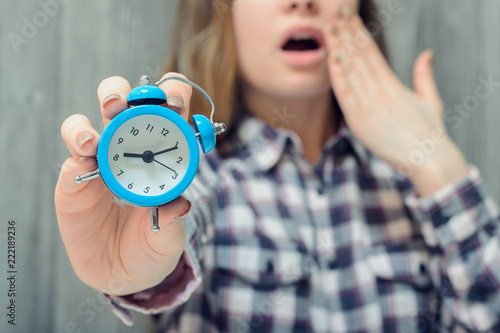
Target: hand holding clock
<point>112,248</point>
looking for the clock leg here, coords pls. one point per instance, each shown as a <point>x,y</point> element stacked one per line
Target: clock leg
<point>153,212</point>
<point>88,176</point>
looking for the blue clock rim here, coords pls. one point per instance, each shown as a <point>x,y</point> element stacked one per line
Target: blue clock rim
<point>105,169</point>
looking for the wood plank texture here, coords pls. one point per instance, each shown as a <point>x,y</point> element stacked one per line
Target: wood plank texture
<point>56,71</point>
<point>53,75</point>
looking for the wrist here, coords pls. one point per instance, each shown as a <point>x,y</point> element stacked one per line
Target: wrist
<point>127,283</point>
<point>445,166</point>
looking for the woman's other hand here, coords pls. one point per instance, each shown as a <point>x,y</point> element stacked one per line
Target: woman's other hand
<point>404,128</point>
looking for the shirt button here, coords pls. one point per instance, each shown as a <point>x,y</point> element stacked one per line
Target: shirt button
<point>321,189</point>
<point>332,264</point>
<point>422,269</point>
<point>270,267</point>
<point>341,147</point>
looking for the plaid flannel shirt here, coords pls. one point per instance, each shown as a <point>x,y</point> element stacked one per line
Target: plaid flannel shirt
<point>275,244</point>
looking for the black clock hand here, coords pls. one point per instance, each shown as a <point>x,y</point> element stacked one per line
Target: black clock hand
<point>167,150</point>
<point>165,166</point>
<point>133,155</point>
<point>148,153</point>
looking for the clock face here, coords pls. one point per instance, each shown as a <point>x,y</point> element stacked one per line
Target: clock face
<point>148,155</point>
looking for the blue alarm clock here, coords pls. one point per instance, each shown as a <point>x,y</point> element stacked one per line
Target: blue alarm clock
<point>148,155</point>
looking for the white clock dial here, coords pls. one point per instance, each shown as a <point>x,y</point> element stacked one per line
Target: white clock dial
<point>148,155</point>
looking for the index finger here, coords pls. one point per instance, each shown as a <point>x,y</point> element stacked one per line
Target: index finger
<point>112,94</point>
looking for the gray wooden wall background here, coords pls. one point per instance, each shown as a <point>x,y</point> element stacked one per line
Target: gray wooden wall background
<point>56,70</point>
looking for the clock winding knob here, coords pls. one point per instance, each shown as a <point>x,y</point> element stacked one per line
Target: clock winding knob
<point>145,80</point>
<point>219,128</point>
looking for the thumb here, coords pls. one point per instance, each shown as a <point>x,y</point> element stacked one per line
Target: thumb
<point>423,80</point>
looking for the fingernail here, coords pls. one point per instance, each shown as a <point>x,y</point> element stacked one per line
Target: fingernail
<point>82,159</point>
<point>431,58</point>
<point>336,56</point>
<point>109,98</point>
<point>176,101</point>
<point>348,12</point>
<point>338,12</point>
<point>182,216</point>
<point>83,138</point>
<point>333,29</point>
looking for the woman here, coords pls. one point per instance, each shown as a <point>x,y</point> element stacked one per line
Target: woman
<point>343,212</point>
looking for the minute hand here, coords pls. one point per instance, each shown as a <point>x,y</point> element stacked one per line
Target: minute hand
<point>167,150</point>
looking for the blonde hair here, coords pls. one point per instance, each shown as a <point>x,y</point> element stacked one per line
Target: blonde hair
<point>204,49</point>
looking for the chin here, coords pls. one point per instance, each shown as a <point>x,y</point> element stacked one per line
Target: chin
<point>302,85</point>
<point>288,83</point>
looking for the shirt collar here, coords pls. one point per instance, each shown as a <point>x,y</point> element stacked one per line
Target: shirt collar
<point>261,146</point>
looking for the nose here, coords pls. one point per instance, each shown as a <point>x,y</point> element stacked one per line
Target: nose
<point>301,6</point>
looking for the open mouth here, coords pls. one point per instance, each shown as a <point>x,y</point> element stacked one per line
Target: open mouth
<point>303,47</point>
<point>301,44</point>
<point>302,40</point>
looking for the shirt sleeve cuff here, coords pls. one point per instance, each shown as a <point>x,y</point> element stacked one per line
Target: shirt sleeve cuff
<point>170,293</point>
<point>453,213</point>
